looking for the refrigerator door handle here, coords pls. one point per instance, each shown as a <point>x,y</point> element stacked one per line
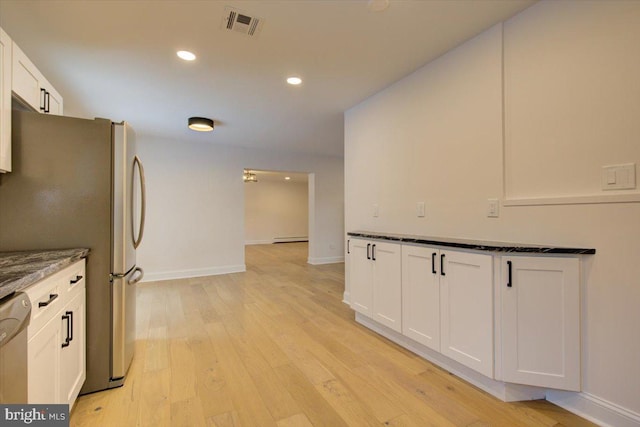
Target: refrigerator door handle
<point>143,203</point>
<point>138,277</point>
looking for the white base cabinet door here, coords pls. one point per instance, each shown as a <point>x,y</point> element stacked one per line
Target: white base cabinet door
<point>421,295</point>
<point>466,304</point>
<point>541,321</point>
<point>72,356</point>
<point>387,284</point>
<point>361,276</point>
<point>43,361</point>
<point>375,281</point>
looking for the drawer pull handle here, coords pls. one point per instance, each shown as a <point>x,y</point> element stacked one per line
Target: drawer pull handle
<point>51,298</point>
<point>76,280</point>
<point>509,273</point>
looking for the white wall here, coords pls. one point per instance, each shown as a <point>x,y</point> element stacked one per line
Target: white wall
<point>275,209</point>
<point>195,206</point>
<point>437,136</point>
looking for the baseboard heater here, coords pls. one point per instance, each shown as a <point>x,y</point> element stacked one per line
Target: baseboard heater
<point>290,239</point>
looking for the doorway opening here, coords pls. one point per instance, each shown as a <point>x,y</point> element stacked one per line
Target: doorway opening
<point>278,207</point>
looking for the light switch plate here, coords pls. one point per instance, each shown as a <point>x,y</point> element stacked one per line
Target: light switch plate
<point>376,210</point>
<point>493,208</point>
<point>619,177</point>
<point>420,209</point>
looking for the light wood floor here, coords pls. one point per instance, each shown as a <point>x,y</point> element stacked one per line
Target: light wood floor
<point>275,346</point>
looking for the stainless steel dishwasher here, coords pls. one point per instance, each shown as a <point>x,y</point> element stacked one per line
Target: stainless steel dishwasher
<point>15,313</point>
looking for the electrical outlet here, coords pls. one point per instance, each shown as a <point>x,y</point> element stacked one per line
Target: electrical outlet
<point>493,208</point>
<point>376,210</point>
<point>420,209</point>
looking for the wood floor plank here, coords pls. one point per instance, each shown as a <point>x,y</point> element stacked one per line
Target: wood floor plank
<point>277,346</point>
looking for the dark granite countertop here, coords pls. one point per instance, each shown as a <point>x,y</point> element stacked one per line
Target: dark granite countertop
<point>477,245</point>
<point>19,270</point>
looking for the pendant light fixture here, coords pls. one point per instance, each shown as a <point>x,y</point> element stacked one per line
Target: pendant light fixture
<point>200,124</point>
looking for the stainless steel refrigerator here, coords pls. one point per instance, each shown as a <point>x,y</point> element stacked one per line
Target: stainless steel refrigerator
<point>79,183</point>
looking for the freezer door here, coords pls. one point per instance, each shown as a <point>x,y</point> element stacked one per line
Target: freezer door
<point>124,325</point>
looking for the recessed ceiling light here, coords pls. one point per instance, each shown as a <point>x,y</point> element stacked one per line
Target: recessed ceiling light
<point>287,178</point>
<point>186,55</point>
<point>294,80</point>
<point>200,124</point>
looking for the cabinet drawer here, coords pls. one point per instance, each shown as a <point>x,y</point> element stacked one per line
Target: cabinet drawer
<point>50,294</point>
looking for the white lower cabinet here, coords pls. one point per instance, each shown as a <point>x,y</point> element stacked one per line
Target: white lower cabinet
<point>375,279</point>
<point>466,309</point>
<point>448,303</point>
<point>454,301</point>
<point>56,337</point>
<point>541,321</point>
<point>421,295</point>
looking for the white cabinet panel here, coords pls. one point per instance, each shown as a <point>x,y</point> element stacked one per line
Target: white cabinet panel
<point>421,295</point>
<point>541,321</point>
<point>43,361</point>
<point>5,102</point>
<point>387,286</point>
<point>375,279</point>
<point>31,87</point>
<point>56,359</point>
<point>361,276</point>
<point>466,304</point>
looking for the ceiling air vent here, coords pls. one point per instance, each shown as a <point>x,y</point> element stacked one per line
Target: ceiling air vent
<point>241,22</point>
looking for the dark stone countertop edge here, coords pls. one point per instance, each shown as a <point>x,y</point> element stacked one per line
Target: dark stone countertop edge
<point>19,270</point>
<point>477,245</point>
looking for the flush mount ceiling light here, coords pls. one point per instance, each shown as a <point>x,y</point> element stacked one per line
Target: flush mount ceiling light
<point>248,176</point>
<point>186,55</point>
<point>200,124</point>
<point>293,80</point>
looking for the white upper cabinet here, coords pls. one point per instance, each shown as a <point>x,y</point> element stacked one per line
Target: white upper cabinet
<point>5,102</point>
<point>30,87</point>
<point>541,321</point>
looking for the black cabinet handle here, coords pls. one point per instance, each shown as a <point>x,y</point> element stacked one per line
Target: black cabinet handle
<point>509,274</point>
<point>368,248</point>
<point>76,280</point>
<point>348,246</point>
<point>46,102</point>
<point>43,97</point>
<point>51,298</point>
<point>67,340</point>
<point>433,263</point>
<point>373,252</point>
<point>442,265</point>
<point>70,313</point>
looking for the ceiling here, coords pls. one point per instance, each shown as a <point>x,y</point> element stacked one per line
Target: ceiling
<point>117,59</point>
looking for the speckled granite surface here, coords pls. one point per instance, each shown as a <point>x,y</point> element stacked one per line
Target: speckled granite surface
<point>477,245</point>
<point>19,270</point>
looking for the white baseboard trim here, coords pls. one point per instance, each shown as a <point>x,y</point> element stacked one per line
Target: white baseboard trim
<point>346,298</point>
<point>198,272</point>
<point>594,409</point>
<point>258,242</point>
<point>325,260</point>
<point>276,240</point>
